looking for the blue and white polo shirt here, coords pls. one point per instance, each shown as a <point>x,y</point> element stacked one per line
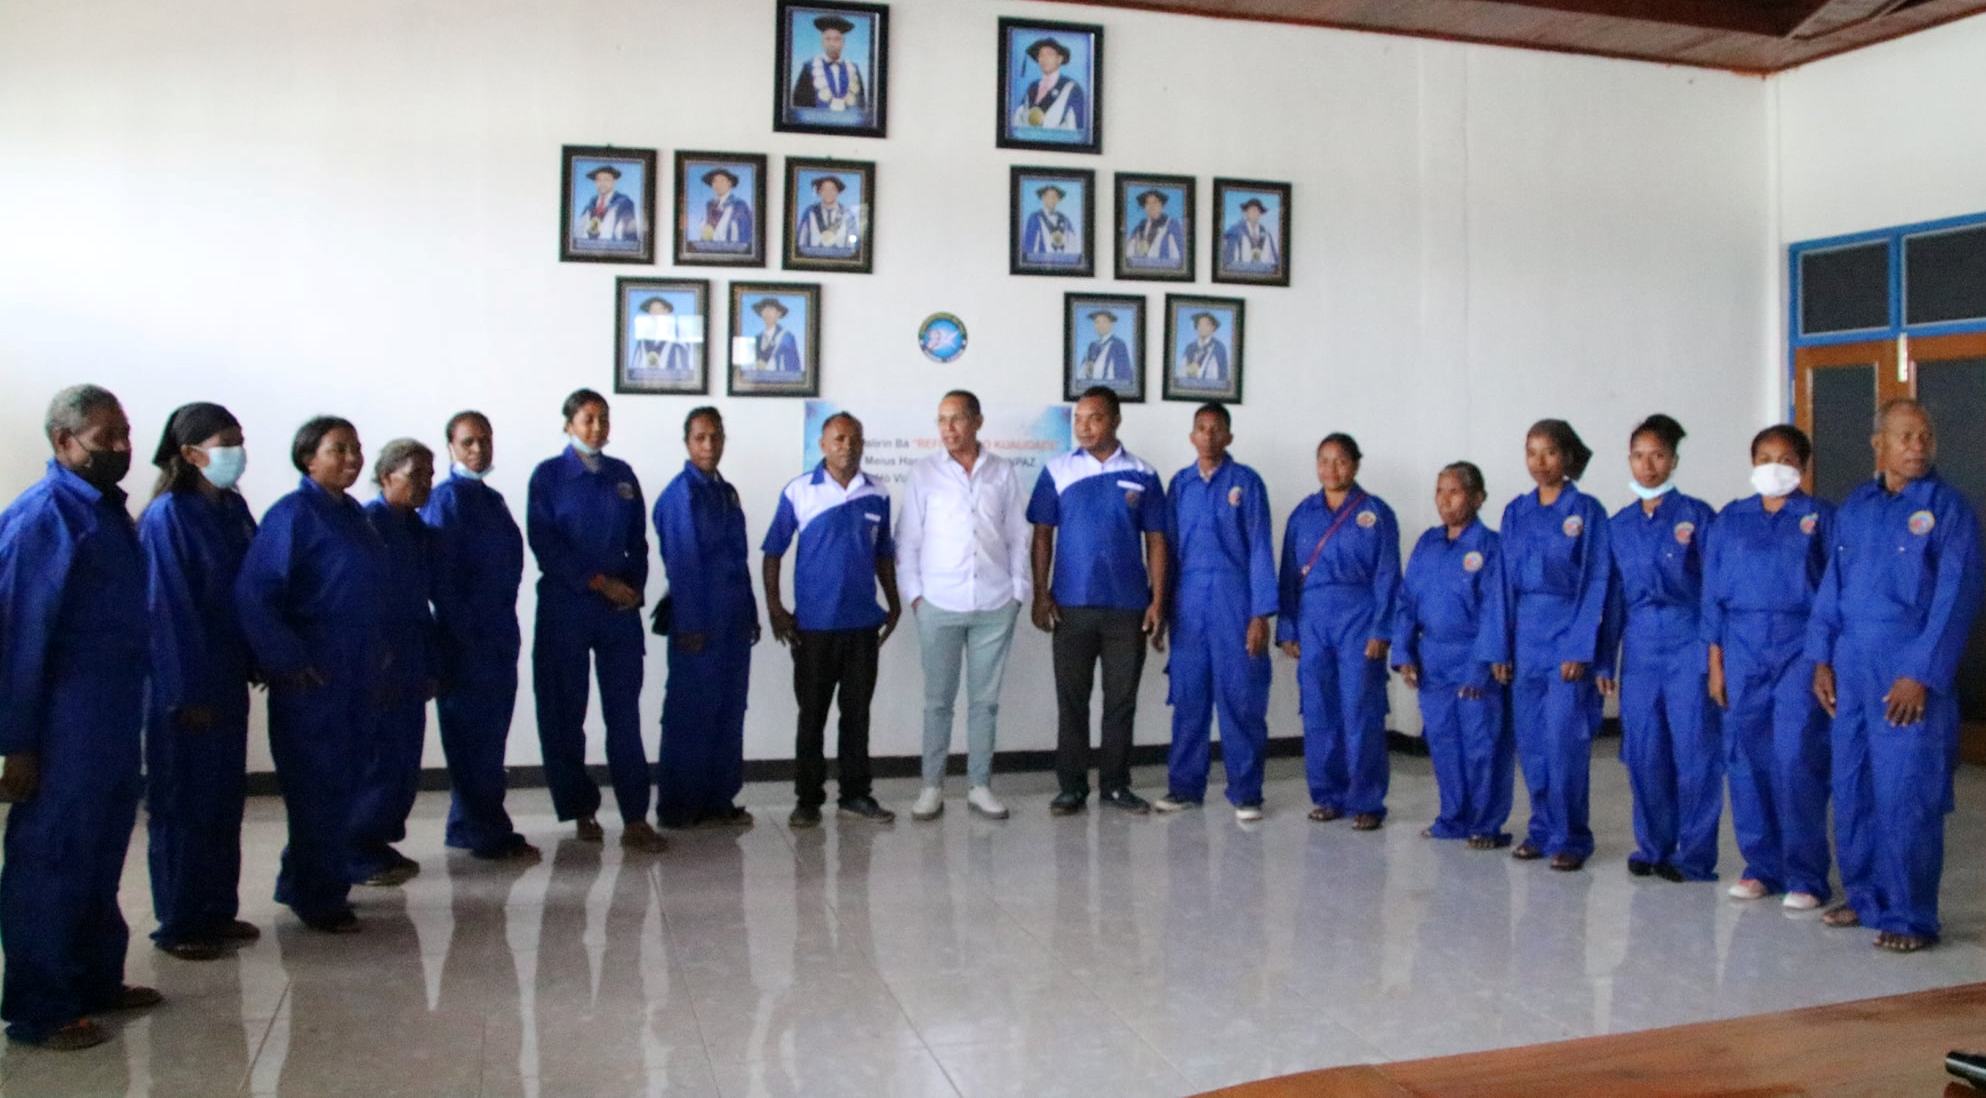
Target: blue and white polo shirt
<point>1102,511</point>
<point>842,532</point>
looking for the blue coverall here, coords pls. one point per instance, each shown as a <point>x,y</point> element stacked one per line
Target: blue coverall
<point>390,761</point>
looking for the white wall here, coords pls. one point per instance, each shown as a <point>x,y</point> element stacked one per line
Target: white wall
<point>1889,135</point>
<point>299,207</point>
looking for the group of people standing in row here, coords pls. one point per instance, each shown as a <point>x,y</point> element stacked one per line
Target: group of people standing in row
<point>1732,640</point>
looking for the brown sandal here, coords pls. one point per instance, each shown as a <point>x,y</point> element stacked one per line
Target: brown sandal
<point>1366,821</point>
<point>79,1034</point>
<point>1841,916</point>
<point>1323,815</point>
<point>1527,852</point>
<point>1904,943</point>
<point>1567,863</point>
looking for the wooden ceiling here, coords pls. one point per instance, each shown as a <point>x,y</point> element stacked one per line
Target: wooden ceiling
<point>1753,36</point>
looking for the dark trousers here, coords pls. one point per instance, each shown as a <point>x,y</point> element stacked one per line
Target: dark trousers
<point>824,660</point>
<point>1085,635</point>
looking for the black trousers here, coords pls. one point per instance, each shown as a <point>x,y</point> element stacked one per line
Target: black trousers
<point>1085,635</point>
<point>823,661</point>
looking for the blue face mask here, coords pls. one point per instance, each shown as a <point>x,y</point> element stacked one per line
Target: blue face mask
<point>224,467</point>
<point>581,447</point>
<point>1658,492</point>
<point>462,470</point>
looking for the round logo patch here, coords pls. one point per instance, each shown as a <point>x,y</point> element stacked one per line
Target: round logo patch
<point>1234,497</point>
<point>1923,522</point>
<point>1131,498</point>
<point>625,489</point>
<point>1684,532</point>
<point>1809,523</point>
<point>1572,525</point>
<point>1472,562</point>
<point>1367,519</point>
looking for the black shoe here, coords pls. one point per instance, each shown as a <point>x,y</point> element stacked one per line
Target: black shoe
<point>806,815</point>
<point>864,808</point>
<point>1127,801</point>
<point>1669,873</point>
<point>344,922</point>
<point>1638,868</point>
<point>1068,804</point>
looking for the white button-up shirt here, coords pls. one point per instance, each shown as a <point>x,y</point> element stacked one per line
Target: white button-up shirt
<point>963,539</point>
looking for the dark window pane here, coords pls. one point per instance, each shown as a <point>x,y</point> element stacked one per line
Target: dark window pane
<point>1955,390</point>
<point>1844,407</point>
<point>1844,289</point>
<point>1945,276</point>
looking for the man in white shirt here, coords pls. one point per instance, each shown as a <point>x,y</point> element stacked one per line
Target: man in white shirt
<point>962,562</point>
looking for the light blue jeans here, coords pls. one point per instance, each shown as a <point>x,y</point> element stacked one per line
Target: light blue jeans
<point>979,640</point>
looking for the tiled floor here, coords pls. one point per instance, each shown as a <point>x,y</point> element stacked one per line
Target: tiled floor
<point>1098,956</point>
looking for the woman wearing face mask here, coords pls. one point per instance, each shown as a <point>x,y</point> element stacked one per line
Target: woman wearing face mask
<point>1541,636</point>
<point>391,761</point>
<point>1760,573</point>
<point>1339,577</point>
<point>1449,578</point>
<point>588,529</point>
<point>479,562</point>
<point>1670,738</point>
<point>195,532</point>
<point>312,595</point>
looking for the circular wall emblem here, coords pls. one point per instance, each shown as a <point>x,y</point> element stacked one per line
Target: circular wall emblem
<point>1472,561</point>
<point>941,337</point>
<point>1572,525</point>
<point>1685,531</point>
<point>1923,522</point>
<point>1809,523</point>
<point>1367,519</point>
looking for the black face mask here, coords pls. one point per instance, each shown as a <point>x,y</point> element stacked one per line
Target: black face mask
<point>104,468</point>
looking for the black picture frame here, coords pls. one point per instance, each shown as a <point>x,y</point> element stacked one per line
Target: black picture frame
<point>804,178</point>
<point>1174,385</point>
<point>1127,194</point>
<point>1010,131</point>
<point>789,113</point>
<point>1233,268</point>
<point>581,161</point>
<point>1078,343</point>
<point>635,356</point>
<point>695,187</point>
<point>1024,200</point>
<point>741,349</point>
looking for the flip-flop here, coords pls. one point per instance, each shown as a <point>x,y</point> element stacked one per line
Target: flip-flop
<point>1841,917</point>
<point>1527,852</point>
<point>1366,821</point>
<point>1905,943</point>
<point>1323,815</point>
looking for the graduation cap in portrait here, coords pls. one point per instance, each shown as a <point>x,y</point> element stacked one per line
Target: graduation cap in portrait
<point>649,305</point>
<point>833,23</point>
<point>1094,313</point>
<point>604,169</point>
<point>710,176</point>
<point>1042,191</point>
<point>764,303</point>
<point>1034,51</point>
<point>1150,196</point>
<point>1208,317</point>
<point>1257,203</point>
<point>823,181</point>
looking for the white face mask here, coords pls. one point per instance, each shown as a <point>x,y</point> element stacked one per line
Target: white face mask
<point>1773,479</point>
<point>581,447</point>
<point>1657,492</point>
<point>462,470</point>
<point>224,467</point>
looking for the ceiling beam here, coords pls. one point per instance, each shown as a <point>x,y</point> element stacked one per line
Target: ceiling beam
<point>1771,18</point>
<point>1834,15</point>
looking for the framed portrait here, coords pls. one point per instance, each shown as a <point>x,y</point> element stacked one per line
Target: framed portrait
<point>831,73</point>
<point>1051,222</point>
<point>1103,343</point>
<point>1251,232</point>
<point>775,339</point>
<point>1051,86</point>
<point>606,205</point>
<point>830,215</point>
<point>1203,348</point>
<point>661,331</point>
<point>1155,227</point>
<point>720,209</point>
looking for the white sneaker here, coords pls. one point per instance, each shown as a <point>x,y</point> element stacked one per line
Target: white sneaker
<point>1248,813</point>
<point>980,799</point>
<point>1746,889</point>
<point>930,804</point>
<point>1169,803</point>
<point>1800,901</point>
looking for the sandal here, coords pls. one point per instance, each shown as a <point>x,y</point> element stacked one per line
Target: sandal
<point>1905,943</point>
<point>1527,851</point>
<point>192,951</point>
<point>79,1034</point>
<point>639,836</point>
<point>1567,863</point>
<point>1841,916</point>
<point>1324,815</point>
<point>1366,821</point>
<point>1488,842</point>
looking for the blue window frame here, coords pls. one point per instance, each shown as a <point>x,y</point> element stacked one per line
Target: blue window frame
<point>1896,324</point>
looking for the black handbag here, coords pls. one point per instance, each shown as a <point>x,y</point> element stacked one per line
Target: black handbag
<point>662,617</point>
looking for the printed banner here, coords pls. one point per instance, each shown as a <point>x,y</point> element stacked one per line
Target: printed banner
<point>895,439</point>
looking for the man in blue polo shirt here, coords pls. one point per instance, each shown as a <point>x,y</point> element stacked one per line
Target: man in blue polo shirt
<point>1107,594</point>
<point>1888,625</point>
<point>842,518</point>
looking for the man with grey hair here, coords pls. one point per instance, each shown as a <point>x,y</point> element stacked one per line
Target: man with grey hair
<point>962,548</point>
<point>1888,626</point>
<point>73,660</point>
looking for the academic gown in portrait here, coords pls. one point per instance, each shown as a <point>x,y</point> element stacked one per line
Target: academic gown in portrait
<point>726,226</point>
<point>1051,237</point>
<point>610,218</point>
<point>1203,361</point>
<point>1246,251</point>
<point>778,352</point>
<point>1154,243</point>
<point>831,85</point>
<point>1059,105</point>
<point>829,229</point>
<point>1107,359</point>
